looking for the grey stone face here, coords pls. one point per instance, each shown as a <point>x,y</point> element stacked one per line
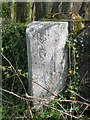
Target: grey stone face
<point>83,39</point>
<point>47,57</point>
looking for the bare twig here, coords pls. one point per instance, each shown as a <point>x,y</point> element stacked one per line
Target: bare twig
<point>79,96</point>
<point>30,115</point>
<point>82,80</point>
<point>43,88</point>
<point>14,71</point>
<point>23,98</point>
<point>12,93</point>
<point>9,77</point>
<point>42,99</point>
<point>61,111</point>
<point>84,110</point>
<point>13,84</point>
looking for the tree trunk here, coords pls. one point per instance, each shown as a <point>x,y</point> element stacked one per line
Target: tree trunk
<point>83,9</point>
<point>66,7</point>
<point>21,11</point>
<point>55,7</point>
<point>0,10</point>
<point>10,4</point>
<point>12,10</point>
<point>29,11</point>
<point>44,8</point>
<point>38,11</point>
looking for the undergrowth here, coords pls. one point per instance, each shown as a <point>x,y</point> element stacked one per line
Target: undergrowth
<point>66,106</point>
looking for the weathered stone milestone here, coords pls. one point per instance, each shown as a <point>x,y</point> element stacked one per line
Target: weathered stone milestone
<point>47,57</point>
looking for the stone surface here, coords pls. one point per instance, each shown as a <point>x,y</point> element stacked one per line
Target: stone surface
<point>47,57</point>
<point>84,62</point>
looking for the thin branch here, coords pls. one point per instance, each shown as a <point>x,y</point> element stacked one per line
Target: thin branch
<point>42,99</point>
<point>84,110</point>
<point>12,94</point>
<point>82,80</point>
<point>14,71</point>
<point>23,98</point>
<point>13,84</point>
<point>79,96</point>
<point>9,77</point>
<point>62,112</point>
<point>30,115</point>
